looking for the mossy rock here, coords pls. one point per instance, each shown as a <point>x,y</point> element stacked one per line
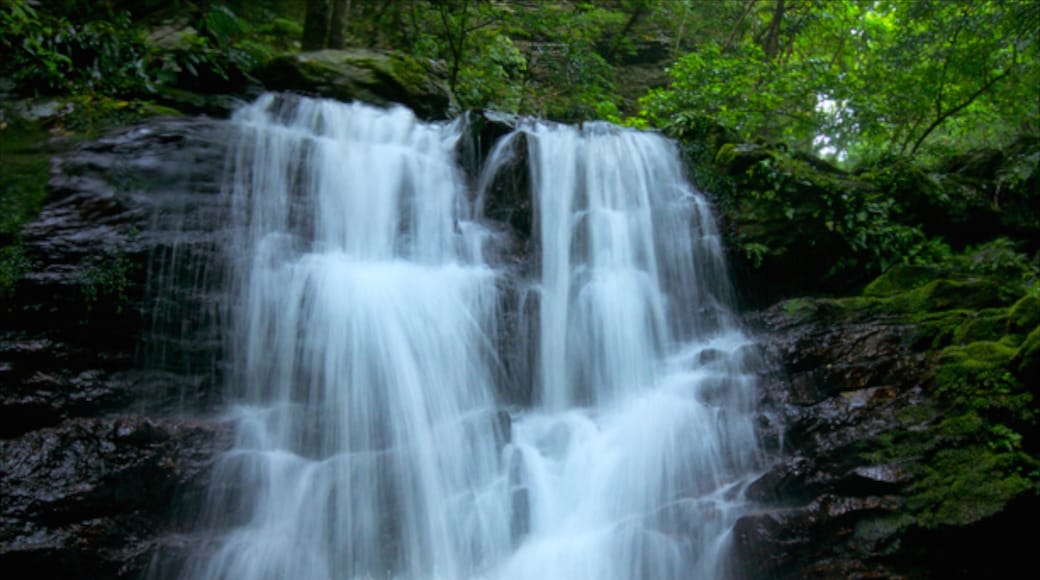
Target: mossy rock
<point>981,326</point>
<point>901,278</point>
<point>1026,361</point>
<point>927,302</point>
<point>25,154</point>
<point>964,485</point>
<point>375,77</point>
<point>943,294</point>
<point>982,353</point>
<point>1024,316</point>
<point>737,158</point>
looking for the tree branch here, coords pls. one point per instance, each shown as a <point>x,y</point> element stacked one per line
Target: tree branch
<point>733,33</point>
<point>971,99</point>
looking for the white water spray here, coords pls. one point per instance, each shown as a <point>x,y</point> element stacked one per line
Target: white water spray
<point>370,443</point>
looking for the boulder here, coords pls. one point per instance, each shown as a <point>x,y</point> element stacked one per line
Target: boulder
<point>87,498</point>
<point>375,77</point>
<point>904,430</point>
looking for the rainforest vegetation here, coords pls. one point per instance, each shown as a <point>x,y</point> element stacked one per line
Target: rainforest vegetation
<point>877,132</point>
<point>854,80</point>
<point>871,160</point>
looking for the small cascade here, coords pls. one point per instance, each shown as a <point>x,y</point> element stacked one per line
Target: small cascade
<point>361,311</point>
<point>366,366</point>
<point>634,455</point>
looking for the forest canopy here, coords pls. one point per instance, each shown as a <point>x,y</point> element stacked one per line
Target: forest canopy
<point>856,80</point>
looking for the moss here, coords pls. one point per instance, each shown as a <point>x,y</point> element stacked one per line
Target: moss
<point>983,352</point>
<point>901,278</point>
<point>358,74</point>
<point>964,485</point>
<point>935,330</point>
<point>92,115</point>
<point>26,165</point>
<point>107,282</point>
<point>949,293</point>
<point>981,326</point>
<point>1024,316</point>
<point>408,72</point>
<point>799,308</point>
<point>966,447</point>
<point>1026,361</point>
<point>977,377</point>
<point>948,302</point>
<point>881,534</point>
<point>12,265</point>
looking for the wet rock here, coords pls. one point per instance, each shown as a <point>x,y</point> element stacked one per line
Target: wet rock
<point>376,77</point>
<point>79,498</point>
<point>504,190</point>
<point>91,364</point>
<point>854,384</point>
<point>818,540</point>
<point>482,132</point>
<point>838,380</point>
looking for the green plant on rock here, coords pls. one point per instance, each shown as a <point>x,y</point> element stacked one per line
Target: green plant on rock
<point>107,282</point>
<point>972,448</point>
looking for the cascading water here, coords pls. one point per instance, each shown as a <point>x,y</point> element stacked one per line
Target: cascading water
<point>366,444</point>
<point>371,442</point>
<point>634,455</point>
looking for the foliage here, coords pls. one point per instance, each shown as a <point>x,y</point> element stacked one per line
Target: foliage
<point>544,58</point>
<point>53,55</point>
<point>107,281</point>
<point>782,207</point>
<point>740,90</point>
<point>22,192</point>
<point>106,52</point>
<point>862,80</point>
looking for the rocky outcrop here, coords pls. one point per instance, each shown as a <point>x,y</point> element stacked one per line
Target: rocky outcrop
<point>91,498</point>
<point>907,432</point>
<point>378,78</point>
<point>91,370</point>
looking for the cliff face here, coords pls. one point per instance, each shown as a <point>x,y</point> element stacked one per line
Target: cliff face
<point>93,456</point>
<point>908,447</point>
<point>907,400</point>
<point>901,416</point>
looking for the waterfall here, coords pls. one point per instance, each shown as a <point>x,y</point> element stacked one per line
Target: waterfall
<point>366,367</point>
<point>634,455</point>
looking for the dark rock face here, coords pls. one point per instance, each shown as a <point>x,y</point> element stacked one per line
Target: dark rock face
<point>379,78</point>
<point>850,380</point>
<point>90,368</point>
<point>88,498</point>
<point>839,382</point>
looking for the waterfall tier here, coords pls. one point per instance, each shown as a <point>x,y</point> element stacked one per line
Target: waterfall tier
<point>368,359</point>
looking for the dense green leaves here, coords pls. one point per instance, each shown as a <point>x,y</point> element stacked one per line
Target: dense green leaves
<point>862,80</point>
<point>103,50</point>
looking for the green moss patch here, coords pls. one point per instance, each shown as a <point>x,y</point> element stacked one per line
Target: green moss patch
<point>902,278</point>
<point>1024,316</point>
<point>969,447</point>
<point>966,484</point>
<point>1026,361</point>
<point>25,159</point>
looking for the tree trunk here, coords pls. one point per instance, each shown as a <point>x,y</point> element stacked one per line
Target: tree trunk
<point>316,25</point>
<point>338,24</point>
<point>771,46</point>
